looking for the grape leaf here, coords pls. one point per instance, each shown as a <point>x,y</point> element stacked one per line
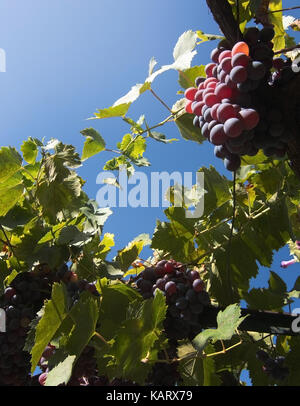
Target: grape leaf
<point>136,339</point>
<point>94,143</point>
<point>30,151</point>
<point>55,310</point>
<point>227,320</point>
<point>10,163</point>
<point>188,76</point>
<point>61,373</point>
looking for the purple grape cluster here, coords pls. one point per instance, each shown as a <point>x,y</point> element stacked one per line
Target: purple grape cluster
<point>273,367</point>
<point>185,296</point>
<point>235,105</point>
<point>21,301</point>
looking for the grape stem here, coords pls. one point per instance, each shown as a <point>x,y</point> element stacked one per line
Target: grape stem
<point>284,50</point>
<point>161,101</point>
<point>101,337</point>
<point>8,243</point>
<point>283,9</point>
<point>231,234</point>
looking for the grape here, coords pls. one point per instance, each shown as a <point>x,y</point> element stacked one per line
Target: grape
<point>238,74</point>
<point>224,54</point>
<point>207,116</point>
<point>196,122</point>
<point>221,151</point>
<point>225,111</point>
<point>223,91</point>
<point>199,95</point>
<point>256,70</point>
<point>188,107</point>
<point>213,111</point>
<point>233,127</point>
<point>211,85</point>
<point>211,99</point>
<point>266,34</point>
<point>240,47</point>
<point>240,59</point>
<point>42,378</point>
<point>205,131</point>
<point>226,64</point>
<point>209,68</point>
<point>169,267</point>
<point>249,117</point>
<point>252,35</point>
<point>170,288</point>
<point>217,135</point>
<point>212,124</point>
<point>190,93</point>
<point>209,80</point>
<point>233,163</point>
<point>197,108</point>
<point>199,80</point>
<point>229,83</point>
<point>198,285</point>
<point>222,76</point>
<point>214,56</point>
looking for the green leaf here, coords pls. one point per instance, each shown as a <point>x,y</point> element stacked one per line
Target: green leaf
<point>134,147</point>
<point>11,192</point>
<point>55,310</point>
<point>95,216</point>
<point>30,151</point>
<point>187,130</point>
<point>62,372</point>
<point>207,37</point>
<point>105,245</point>
<point>188,76</point>
<point>114,306</point>
<point>84,315</point>
<point>130,253</point>
<point>113,111</point>
<point>137,337</point>
<point>227,321</point>
<point>160,137</point>
<point>94,143</point>
<point>198,371</point>
<point>133,94</point>
<point>183,54</point>
<point>10,163</point>
<point>276,20</point>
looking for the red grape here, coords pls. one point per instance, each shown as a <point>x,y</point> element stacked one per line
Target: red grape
<point>223,91</point>
<point>190,93</point>
<point>238,74</point>
<point>233,127</point>
<point>250,118</point>
<point>225,111</point>
<point>217,135</point>
<point>240,59</point>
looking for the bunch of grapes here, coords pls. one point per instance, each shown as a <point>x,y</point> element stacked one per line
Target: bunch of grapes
<point>234,105</point>
<point>273,367</point>
<point>21,301</point>
<point>185,296</point>
<point>74,286</point>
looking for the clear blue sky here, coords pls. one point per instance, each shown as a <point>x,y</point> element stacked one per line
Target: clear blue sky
<point>66,58</point>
